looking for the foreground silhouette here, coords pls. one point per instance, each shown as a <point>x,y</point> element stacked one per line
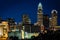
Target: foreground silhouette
<point>50,35</point>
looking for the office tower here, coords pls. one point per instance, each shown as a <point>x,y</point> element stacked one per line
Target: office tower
<point>11,23</point>
<point>39,15</point>
<point>26,19</point>
<point>46,21</point>
<point>4,29</point>
<point>39,22</point>
<point>54,18</point>
<point>26,23</point>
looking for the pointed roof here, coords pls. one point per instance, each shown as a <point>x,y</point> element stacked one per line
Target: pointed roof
<point>40,6</point>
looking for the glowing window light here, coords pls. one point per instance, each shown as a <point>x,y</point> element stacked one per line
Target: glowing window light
<point>1,31</point>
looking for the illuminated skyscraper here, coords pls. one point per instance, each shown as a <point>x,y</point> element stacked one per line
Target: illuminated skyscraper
<point>4,30</point>
<point>40,15</point>
<point>54,18</point>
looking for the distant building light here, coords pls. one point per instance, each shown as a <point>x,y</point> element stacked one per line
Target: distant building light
<point>50,18</point>
<point>13,30</point>
<point>15,22</point>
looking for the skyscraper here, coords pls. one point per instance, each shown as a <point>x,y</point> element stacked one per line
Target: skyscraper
<point>40,15</point>
<point>26,23</point>
<point>11,24</point>
<point>54,18</point>
<point>46,21</point>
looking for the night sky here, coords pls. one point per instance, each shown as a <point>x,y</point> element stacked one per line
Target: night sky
<point>16,8</point>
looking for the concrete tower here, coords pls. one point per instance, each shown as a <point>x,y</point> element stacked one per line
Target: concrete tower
<point>54,18</point>
<point>40,15</point>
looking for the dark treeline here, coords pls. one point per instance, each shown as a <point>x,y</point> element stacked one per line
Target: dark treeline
<point>50,35</point>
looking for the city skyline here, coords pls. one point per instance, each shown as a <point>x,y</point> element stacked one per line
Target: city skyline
<point>29,19</point>
<point>16,9</point>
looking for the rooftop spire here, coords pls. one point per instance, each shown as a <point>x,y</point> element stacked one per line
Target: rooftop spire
<point>40,6</point>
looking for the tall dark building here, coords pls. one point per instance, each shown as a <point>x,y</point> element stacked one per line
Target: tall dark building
<point>26,23</point>
<point>35,29</point>
<point>46,21</point>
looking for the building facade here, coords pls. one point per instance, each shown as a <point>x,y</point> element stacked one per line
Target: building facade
<point>39,15</point>
<point>54,18</point>
<point>46,21</point>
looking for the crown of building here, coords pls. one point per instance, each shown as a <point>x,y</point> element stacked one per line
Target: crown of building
<point>40,6</point>
<point>54,11</point>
